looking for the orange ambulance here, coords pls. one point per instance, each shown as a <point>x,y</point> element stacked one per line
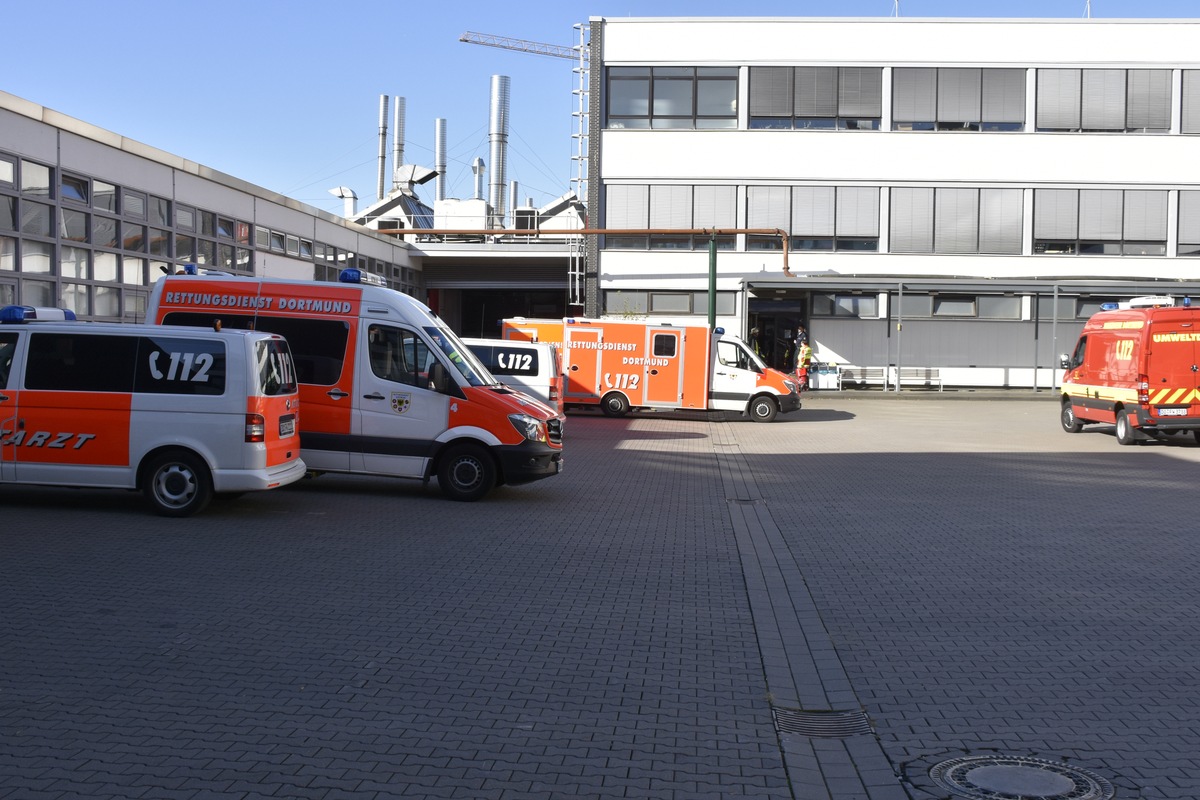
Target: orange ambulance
<point>388,388</point>
<point>1136,366</point>
<point>619,365</point>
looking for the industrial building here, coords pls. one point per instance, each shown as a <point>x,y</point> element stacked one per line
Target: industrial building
<point>947,193</point>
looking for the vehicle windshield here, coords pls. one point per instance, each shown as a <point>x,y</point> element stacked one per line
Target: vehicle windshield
<point>461,357</point>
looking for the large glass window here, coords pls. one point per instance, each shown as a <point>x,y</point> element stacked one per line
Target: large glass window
<point>845,305</point>
<point>816,97</point>
<point>1100,100</point>
<point>1099,222</point>
<point>956,220</point>
<point>958,99</point>
<point>35,179</point>
<point>1189,223</point>
<point>672,97</point>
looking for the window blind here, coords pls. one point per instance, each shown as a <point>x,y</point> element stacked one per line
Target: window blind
<point>1100,214</point>
<point>816,92</point>
<point>770,91</point>
<point>812,211</point>
<point>857,211</point>
<point>1001,217</point>
<point>914,94</point>
<point>768,207</point>
<point>671,207</point>
<point>959,95</point>
<point>1145,215</point>
<point>715,207</point>
<point>912,220</point>
<point>1058,93</point>
<point>956,221</point>
<point>1055,213</point>
<point>627,206</point>
<point>1003,95</point>
<point>1189,217</point>
<point>1190,122</point>
<point>1149,99</point>
<point>860,91</point>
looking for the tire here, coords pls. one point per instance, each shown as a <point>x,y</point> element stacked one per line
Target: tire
<point>1070,423</point>
<point>1196,435</point>
<point>466,472</point>
<point>614,404</point>
<point>177,484</point>
<point>763,408</point>
<point>1125,431</point>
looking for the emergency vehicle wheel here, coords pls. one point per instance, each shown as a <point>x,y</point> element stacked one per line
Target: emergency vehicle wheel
<point>763,409</point>
<point>1067,418</point>
<point>177,484</point>
<point>1125,432</point>
<point>466,472</point>
<point>614,404</point>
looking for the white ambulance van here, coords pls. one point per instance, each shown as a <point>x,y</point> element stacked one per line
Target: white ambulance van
<point>530,367</point>
<point>387,388</point>
<point>179,413</point>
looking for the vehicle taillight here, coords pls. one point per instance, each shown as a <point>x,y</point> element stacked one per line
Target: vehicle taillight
<point>256,428</point>
<point>553,394</point>
<point>1143,389</point>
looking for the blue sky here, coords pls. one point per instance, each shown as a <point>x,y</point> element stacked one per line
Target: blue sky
<point>285,95</point>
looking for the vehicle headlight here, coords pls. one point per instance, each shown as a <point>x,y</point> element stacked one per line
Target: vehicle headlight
<point>791,387</point>
<point>531,428</point>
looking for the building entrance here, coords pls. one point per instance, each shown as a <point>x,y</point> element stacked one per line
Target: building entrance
<point>776,323</point>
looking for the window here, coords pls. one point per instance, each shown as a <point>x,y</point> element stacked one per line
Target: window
<point>958,99</point>
<point>73,225</point>
<point>37,257</point>
<point>953,306</point>
<point>1189,223</point>
<point>998,306</point>
<point>35,179</point>
<point>672,97</point>
<point>104,196</point>
<point>849,98</point>
<point>168,365</point>
<point>160,211</point>
<point>8,213</point>
<point>1096,100</point>
<point>845,305</point>
<point>73,263</point>
<point>1190,117</point>
<point>133,204</point>
<point>956,220</point>
<point>185,218</point>
<point>72,362</point>
<point>623,302</point>
<point>670,303</point>
<point>834,218</point>
<point>72,188</point>
<point>1099,222</point>
<point>37,219</point>
<point>318,345</point>
<point>8,171</point>
<point>665,345</point>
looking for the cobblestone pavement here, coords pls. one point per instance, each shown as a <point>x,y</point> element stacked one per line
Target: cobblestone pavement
<point>678,615</point>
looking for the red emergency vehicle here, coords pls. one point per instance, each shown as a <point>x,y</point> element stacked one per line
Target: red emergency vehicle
<point>619,365</point>
<point>1136,366</point>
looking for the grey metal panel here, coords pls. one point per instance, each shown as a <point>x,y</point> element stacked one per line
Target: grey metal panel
<point>29,138</point>
<point>98,160</point>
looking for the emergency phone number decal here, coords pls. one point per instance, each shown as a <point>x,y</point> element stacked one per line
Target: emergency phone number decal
<point>192,367</point>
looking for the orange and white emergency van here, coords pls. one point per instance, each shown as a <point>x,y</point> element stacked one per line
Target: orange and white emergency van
<point>620,365</point>
<point>1136,366</point>
<point>387,387</point>
<point>179,413</point>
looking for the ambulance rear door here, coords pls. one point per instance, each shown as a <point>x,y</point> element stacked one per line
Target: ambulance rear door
<point>397,416</point>
<point>1173,362</point>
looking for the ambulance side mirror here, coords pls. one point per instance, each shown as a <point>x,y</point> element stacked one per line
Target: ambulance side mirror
<point>437,377</point>
<point>1064,361</point>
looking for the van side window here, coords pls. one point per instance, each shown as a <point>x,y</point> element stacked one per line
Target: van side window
<point>318,345</point>
<point>81,363</point>
<point>8,346</point>
<point>169,365</point>
<point>517,361</point>
<point>397,355</point>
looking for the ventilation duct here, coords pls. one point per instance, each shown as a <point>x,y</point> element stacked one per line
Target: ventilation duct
<point>498,137</point>
<point>439,157</point>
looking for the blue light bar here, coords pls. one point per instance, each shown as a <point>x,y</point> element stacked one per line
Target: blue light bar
<point>11,314</point>
<point>1109,306</point>
<point>355,275</point>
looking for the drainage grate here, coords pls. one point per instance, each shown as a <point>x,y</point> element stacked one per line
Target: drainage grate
<point>1018,778</point>
<point>821,724</point>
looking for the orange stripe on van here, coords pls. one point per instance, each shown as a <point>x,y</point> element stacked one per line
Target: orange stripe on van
<point>69,428</point>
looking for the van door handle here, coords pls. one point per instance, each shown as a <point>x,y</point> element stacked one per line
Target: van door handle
<point>4,398</point>
<point>337,394</point>
<point>373,396</point>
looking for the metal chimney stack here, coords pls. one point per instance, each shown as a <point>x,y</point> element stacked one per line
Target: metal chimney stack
<point>512,204</point>
<point>383,109</point>
<point>478,169</point>
<point>498,136</point>
<point>439,156</point>
<point>397,141</point>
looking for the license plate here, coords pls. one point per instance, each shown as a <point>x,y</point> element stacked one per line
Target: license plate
<point>287,426</point>
<point>1172,412</point>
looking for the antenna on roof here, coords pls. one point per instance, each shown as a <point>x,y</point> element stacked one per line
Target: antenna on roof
<point>1087,8</point>
<point>895,8</point>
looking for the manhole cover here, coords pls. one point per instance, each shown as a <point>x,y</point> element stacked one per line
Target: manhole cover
<point>1018,778</point>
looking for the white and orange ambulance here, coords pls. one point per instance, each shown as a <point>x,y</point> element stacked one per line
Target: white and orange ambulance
<point>387,388</point>
<point>179,413</point>
<point>1136,366</point>
<point>620,365</point>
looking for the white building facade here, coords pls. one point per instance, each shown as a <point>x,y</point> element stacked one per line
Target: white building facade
<point>948,193</point>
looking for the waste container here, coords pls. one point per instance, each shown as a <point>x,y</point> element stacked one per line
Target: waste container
<point>825,376</point>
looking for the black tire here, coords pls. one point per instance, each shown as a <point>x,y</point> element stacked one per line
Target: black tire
<point>1196,436</point>
<point>466,472</point>
<point>763,408</point>
<point>1125,431</point>
<point>177,484</point>
<point>614,404</point>
<point>1070,423</point>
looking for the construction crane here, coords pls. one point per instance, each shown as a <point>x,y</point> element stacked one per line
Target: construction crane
<point>522,45</point>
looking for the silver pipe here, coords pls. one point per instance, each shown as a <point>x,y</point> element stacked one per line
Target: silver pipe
<point>383,109</point>
<point>439,157</point>
<point>498,137</point>
<point>397,140</point>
